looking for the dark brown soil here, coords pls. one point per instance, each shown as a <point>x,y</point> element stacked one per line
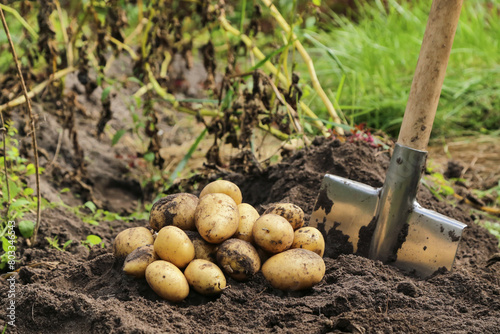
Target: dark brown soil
<point>84,291</point>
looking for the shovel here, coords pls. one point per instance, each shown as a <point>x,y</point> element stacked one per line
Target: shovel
<point>387,223</point>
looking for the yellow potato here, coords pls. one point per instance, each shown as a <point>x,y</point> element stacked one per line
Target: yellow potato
<point>273,233</point>
<point>128,240</point>
<point>167,281</point>
<point>216,217</point>
<point>290,212</point>
<point>309,238</point>
<point>172,244</point>
<point>223,187</point>
<point>294,269</point>
<point>202,249</point>
<point>177,210</point>
<point>238,258</point>
<point>205,277</point>
<point>248,216</point>
<point>136,262</point>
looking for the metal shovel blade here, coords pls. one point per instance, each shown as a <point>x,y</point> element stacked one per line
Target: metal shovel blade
<point>387,223</point>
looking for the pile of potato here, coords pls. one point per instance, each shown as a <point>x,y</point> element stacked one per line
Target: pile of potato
<point>217,235</point>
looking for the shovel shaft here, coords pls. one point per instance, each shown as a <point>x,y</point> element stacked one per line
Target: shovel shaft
<point>429,74</point>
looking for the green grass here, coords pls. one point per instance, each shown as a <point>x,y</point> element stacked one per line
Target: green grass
<point>378,55</point>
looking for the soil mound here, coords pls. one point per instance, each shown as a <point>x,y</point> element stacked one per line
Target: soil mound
<point>84,291</point>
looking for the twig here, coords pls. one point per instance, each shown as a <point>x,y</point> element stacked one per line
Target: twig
<point>37,90</point>
<point>124,46</point>
<point>32,126</point>
<point>310,65</point>
<point>4,138</point>
<point>58,148</point>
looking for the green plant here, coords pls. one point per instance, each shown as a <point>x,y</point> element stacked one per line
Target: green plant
<point>92,240</point>
<point>54,243</point>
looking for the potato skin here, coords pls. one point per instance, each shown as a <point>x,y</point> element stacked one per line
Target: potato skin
<point>291,212</point>
<point>273,233</point>
<point>309,238</point>
<point>176,210</point>
<point>294,269</point>
<point>128,240</point>
<point>238,258</point>
<point>205,277</point>
<point>223,187</point>
<point>248,216</point>
<point>172,244</point>
<point>167,281</point>
<point>202,249</point>
<point>136,262</point>
<point>216,217</point>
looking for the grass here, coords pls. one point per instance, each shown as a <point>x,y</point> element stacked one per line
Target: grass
<point>378,55</point>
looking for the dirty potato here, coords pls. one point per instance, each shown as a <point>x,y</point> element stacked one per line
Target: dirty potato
<point>290,212</point>
<point>309,238</point>
<point>223,187</point>
<point>176,210</point>
<point>294,269</point>
<point>167,281</point>
<point>136,262</point>
<point>273,233</point>
<point>248,216</point>
<point>238,258</point>
<point>172,244</point>
<point>216,217</point>
<point>202,249</point>
<point>205,277</point>
<point>128,240</point>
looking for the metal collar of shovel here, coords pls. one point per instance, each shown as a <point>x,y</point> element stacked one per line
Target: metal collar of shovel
<point>387,223</point>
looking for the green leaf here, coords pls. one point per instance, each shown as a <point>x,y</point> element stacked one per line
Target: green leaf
<point>149,157</point>
<point>26,228</point>
<point>91,206</point>
<point>137,81</point>
<point>105,93</point>
<point>65,190</point>
<point>117,136</point>
<point>19,203</point>
<point>30,169</point>
<point>316,2</point>
<point>93,239</point>
<point>188,155</point>
<point>269,56</point>
<point>67,243</point>
<point>28,191</point>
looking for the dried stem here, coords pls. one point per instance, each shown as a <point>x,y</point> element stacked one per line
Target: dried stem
<point>32,126</point>
<point>3,129</point>
<point>310,65</point>
<point>69,48</point>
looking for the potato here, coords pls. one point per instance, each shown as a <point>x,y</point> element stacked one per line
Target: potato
<point>172,244</point>
<point>177,210</point>
<point>294,269</point>
<point>273,233</point>
<point>223,187</point>
<point>238,258</point>
<point>202,249</point>
<point>216,217</point>
<point>309,238</point>
<point>128,240</point>
<point>205,277</point>
<point>248,216</point>
<point>167,281</point>
<point>290,212</point>
<point>136,262</point>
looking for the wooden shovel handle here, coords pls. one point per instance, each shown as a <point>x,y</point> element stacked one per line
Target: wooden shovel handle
<point>429,74</point>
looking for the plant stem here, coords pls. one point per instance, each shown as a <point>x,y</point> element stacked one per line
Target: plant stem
<point>69,49</point>
<point>20,19</point>
<point>310,65</point>
<point>32,126</point>
<point>4,138</point>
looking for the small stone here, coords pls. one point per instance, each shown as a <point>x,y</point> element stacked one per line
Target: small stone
<point>407,288</point>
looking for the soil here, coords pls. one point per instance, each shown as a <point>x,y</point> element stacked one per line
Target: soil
<point>83,290</point>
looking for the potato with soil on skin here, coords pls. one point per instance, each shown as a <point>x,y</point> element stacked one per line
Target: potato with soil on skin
<point>309,238</point>
<point>216,217</point>
<point>202,249</point>
<point>172,244</point>
<point>248,216</point>
<point>176,210</point>
<point>136,262</point>
<point>294,269</point>
<point>238,258</point>
<point>291,212</point>
<point>167,281</point>
<point>128,240</point>
<point>205,277</point>
<point>223,187</point>
<point>273,233</point>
